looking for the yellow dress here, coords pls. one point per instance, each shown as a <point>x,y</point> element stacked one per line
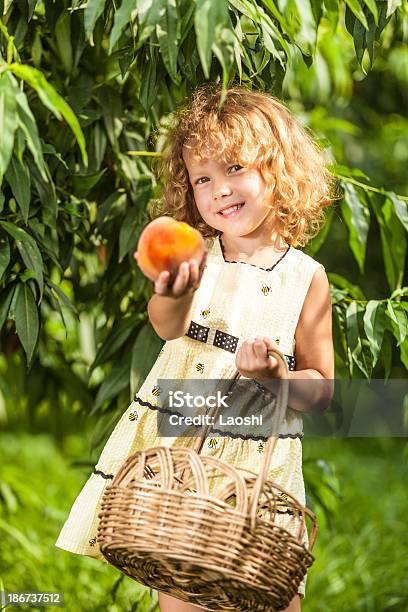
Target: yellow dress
<point>236,301</point>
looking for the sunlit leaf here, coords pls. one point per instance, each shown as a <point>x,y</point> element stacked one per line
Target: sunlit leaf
<point>93,10</point>
<point>208,15</point>
<point>357,218</point>
<point>8,120</point>
<point>122,18</point>
<point>399,318</point>
<point>52,100</point>
<point>27,123</point>
<point>355,8</point>
<point>374,326</point>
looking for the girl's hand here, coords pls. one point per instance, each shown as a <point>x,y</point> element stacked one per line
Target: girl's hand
<point>187,280</point>
<point>252,360</point>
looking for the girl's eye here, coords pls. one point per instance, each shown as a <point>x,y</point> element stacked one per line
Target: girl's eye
<point>200,179</point>
<point>237,166</point>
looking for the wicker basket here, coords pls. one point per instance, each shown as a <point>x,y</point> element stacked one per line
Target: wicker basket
<point>161,526</point>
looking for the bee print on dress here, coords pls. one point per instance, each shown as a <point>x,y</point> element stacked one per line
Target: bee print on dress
<point>200,367</point>
<point>156,391</point>
<point>133,416</point>
<point>265,289</point>
<point>92,542</point>
<point>213,443</point>
<point>282,507</point>
<point>261,447</point>
<point>205,313</point>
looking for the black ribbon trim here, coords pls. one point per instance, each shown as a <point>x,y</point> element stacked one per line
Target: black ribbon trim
<point>249,264</point>
<point>100,473</point>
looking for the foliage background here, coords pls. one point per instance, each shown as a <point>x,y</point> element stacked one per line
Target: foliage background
<point>86,93</point>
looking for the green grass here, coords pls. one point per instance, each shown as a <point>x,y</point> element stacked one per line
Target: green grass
<point>361,549</point>
<point>42,487</point>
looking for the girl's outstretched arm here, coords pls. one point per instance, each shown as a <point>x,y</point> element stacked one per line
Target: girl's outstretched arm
<point>170,306</point>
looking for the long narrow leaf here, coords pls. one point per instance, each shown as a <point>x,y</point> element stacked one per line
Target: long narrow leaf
<point>93,10</point>
<point>27,320</point>
<point>52,100</point>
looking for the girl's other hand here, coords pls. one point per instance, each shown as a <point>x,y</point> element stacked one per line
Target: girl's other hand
<point>252,360</point>
<point>186,281</point>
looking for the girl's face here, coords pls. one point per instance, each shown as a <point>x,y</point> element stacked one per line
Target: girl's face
<point>218,186</point>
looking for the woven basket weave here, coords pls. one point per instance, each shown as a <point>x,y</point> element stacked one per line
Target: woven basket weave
<point>160,524</point>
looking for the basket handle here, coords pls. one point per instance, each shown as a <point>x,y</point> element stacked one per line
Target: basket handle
<point>279,412</point>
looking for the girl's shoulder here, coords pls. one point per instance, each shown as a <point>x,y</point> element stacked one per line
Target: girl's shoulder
<point>305,260</point>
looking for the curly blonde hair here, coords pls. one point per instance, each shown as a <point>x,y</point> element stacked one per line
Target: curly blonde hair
<point>254,129</point>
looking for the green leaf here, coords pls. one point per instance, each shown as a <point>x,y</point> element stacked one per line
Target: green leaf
<point>144,354</point>
<point>208,14</point>
<point>393,241</point>
<point>24,544</point>
<point>167,32</point>
<point>372,6</point>
<point>123,16</point>
<point>63,39</point>
<point>27,123</point>
<point>357,218</point>
<point>4,255</point>
<point>111,104</point>
<point>8,120</point>
<point>355,8</point>
<point>52,100</point>
<point>401,209</point>
<point>374,326</point>
<point>114,382</point>
<point>340,281</point>
<point>306,36</point>
<point>399,318</point>
<point>93,10</point>
<point>5,301</point>
<point>18,177</point>
<point>29,250</point>
<point>66,301</point>
<point>27,320</point>
<point>359,37</point>
<point>116,338</point>
<point>392,6</point>
<point>82,183</point>
<point>332,8</point>
<point>149,85</point>
<point>317,242</point>
<point>225,55</point>
<point>386,354</point>
<point>129,231</point>
<point>358,347</point>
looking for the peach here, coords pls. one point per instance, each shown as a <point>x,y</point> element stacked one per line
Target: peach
<point>164,244</point>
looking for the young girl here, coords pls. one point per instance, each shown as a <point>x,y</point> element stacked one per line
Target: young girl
<point>252,181</point>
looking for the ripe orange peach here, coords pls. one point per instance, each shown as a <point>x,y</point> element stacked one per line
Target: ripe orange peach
<point>165,243</point>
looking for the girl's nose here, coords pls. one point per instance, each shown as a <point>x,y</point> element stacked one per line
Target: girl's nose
<point>221,191</point>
